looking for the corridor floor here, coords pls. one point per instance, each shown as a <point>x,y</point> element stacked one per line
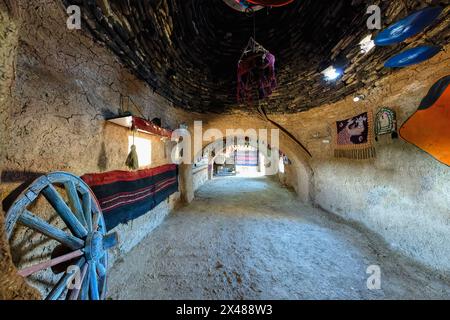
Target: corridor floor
<point>250,238</point>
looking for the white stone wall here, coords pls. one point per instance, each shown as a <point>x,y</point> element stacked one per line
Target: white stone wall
<point>403,195</point>
<point>135,231</point>
<point>200,176</point>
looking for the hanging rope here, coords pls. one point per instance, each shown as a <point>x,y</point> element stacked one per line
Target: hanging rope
<point>254,26</point>
<point>263,113</point>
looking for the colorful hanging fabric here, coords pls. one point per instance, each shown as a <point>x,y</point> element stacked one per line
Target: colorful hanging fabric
<point>354,137</point>
<point>247,158</point>
<point>125,195</point>
<point>256,71</point>
<point>385,122</point>
<point>429,127</point>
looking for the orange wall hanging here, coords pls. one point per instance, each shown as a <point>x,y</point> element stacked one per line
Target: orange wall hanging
<point>429,127</point>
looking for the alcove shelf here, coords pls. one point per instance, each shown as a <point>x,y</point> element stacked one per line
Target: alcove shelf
<point>141,125</point>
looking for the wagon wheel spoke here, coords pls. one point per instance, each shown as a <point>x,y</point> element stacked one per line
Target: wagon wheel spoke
<point>74,201</point>
<point>101,271</point>
<point>48,264</point>
<point>64,211</point>
<point>95,221</point>
<point>76,291</point>
<point>31,221</point>
<point>84,292</point>
<point>62,284</point>
<point>93,281</point>
<point>87,210</point>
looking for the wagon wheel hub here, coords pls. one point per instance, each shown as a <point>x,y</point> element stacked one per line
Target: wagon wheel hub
<point>94,246</point>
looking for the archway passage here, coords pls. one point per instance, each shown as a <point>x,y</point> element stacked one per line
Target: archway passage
<point>239,161</point>
<point>252,239</point>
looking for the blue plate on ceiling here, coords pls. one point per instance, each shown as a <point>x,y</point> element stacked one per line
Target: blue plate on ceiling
<point>412,56</point>
<point>408,27</point>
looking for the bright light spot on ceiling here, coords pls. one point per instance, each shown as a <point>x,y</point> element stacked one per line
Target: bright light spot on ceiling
<point>331,73</point>
<point>367,44</point>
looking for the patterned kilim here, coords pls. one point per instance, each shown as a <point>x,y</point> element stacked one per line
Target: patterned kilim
<point>429,127</point>
<point>127,195</point>
<point>247,158</point>
<point>353,137</point>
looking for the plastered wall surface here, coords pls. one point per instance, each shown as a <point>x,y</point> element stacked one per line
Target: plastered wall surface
<point>60,86</point>
<point>403,194</point>
<point>12,286</point>
<point>200,176</point>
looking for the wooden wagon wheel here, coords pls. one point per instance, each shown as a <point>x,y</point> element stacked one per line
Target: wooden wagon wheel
<point>87,242</point>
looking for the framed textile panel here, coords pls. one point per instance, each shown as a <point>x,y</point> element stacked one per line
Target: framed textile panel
<point>353,137</point>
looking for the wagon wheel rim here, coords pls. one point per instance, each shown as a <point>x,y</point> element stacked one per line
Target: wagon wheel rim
<point>87,239</point>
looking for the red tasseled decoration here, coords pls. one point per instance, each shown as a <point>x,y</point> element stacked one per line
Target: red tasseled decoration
<point>256,71</point>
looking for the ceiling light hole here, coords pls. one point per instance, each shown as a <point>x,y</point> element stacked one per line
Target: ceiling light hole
<point>331,73</point>
<point>367,44</point>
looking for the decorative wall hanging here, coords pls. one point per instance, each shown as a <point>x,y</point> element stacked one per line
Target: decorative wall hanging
<point>408,27</point>
<point>412,56</point>
<point>386,123</point>
<point>256,71</point>
<point>247,158</point>
<point>354,137</point>
<point>429,127</point>
<point>124,196</point>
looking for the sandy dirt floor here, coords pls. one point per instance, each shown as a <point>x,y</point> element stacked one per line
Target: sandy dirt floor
<point>250,238</point>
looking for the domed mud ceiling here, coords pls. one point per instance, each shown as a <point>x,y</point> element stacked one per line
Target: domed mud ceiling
<point>188,50</point>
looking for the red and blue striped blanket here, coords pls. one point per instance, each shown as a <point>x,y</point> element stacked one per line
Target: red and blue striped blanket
<point>127,195</point>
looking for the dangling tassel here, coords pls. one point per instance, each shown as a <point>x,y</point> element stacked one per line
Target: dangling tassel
<point>132,159</point>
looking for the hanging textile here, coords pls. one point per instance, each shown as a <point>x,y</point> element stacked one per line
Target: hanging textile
<point>354,137</point>
<point>429,127</point>
<point>124,195</point>
<point>256,71</point>
<point>247,158</point>
<point>385,123</point>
